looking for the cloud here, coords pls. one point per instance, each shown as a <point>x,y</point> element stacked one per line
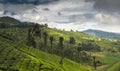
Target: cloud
<point>34,2</point>
<point>64,14</point>
<point>16,8</point>
<point>107,5</point>
<point>89,0</point>
<point>107,18</point>
<point>1,12</point>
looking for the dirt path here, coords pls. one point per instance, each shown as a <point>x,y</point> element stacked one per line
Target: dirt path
<point>101,67</point>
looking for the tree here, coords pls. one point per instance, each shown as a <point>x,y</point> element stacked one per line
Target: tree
<point>29,37</point>
<point>71,30</point>
<point>61,39</point>
<point>79,49</point>
<point>37,30</point>
<point>45,38</point>
<point>90,46</point>
<point>94,62</point>
<point>36,27</point>
<point>72,40</point>
<point>38,33</point>
<point>68,53</point>
<point>51,41</point>
<point>46,25</point>
<point>29,32</point>
<point>33,42</point>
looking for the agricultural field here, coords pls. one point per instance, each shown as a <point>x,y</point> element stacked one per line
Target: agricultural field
<point>34,47</point>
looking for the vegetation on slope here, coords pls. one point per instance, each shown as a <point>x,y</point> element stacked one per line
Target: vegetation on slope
<point>18,57</point>
<point>38,47</point>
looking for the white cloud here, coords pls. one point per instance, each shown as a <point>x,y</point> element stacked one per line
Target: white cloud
<point>108,18</point>
<point>66,14</point>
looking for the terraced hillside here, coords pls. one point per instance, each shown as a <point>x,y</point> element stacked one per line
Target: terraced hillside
<point>35,47</point>
<point>18,57</point>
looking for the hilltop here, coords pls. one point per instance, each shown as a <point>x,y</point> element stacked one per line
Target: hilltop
<point>9,20</point>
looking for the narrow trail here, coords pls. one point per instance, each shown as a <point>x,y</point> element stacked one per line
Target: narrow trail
<point>101,67</point>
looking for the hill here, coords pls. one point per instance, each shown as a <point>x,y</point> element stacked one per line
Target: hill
<point>36,47</point>
<point>102,34</point>
<point>17,57</point>
<point>18,52</point>
<point>9,20</point>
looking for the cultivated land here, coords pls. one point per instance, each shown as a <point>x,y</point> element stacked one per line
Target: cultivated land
<point>32,47</point>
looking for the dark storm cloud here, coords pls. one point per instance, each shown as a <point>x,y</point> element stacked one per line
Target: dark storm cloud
<point>108,5</point>
<point>89,0</point>
<point>34,2</point>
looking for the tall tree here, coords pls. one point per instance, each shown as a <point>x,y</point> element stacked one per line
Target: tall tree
<point>46,25</point>
<point>38,33</point>
<point>29,37</point>
<point>36,27</point>
<point>45,39</point>
<point>72,40</point>
<point>51,42</point>
<point>37,30</point>
<point>33,42</point>
<point>29,32</point>
<point>94,62</point>
<point>61,39</point>
<point>79,50</point>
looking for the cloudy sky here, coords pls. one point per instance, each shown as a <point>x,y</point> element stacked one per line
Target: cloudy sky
<point>66,14</point>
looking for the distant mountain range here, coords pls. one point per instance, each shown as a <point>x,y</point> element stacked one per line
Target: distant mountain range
<point>103,34</point>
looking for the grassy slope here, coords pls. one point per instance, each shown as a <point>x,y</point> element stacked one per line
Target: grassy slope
<point>23,59</point>
<point>14,56</point>
<point>110,61</point>
<point>81,37</point>
<point>115,67</point>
